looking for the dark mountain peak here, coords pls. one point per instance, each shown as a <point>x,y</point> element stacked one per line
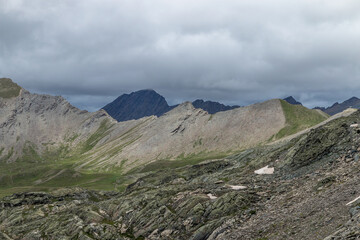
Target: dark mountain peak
<point>148,102</point>
<point>199,101</point>
<point>292,100</point>
<point>137,104</point>
<point>352,102</point>
<point>146,91</point>
<point>211,107</point>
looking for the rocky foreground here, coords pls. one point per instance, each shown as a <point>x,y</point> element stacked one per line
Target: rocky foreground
<point>312,194</point>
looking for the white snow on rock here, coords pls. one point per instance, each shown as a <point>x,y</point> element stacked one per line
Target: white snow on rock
<point>353,201</point>
<point>354,125</point>
<point>234,187</point>
<point>265,170</point>
<point>211,196</point>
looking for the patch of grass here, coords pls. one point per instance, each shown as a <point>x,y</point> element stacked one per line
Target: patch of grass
<point>30,154</point>
<point>180,161</point>
<point>197,143</point>
<point>9,155</point>
<point>8,89</point>
<point>298,118</point>
<point>100,133</point>
<point>73,138</point>
<point>54,169</point>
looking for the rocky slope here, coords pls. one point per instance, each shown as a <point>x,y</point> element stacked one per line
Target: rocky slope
<point>309,196</point>
<point>38,123</point>
<point>186,133</point>
<point>353,102</point>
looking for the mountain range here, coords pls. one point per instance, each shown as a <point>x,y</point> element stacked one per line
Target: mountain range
<point>147,102</point>
<point>336,108</point>
<point>35,128</point>
<point>271,170</point>
<point>353,102</point>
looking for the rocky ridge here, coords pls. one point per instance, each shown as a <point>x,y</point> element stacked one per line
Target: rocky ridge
<point>39,123</point>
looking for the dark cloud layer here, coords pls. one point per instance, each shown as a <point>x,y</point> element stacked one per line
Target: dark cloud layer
<point>237,52</point>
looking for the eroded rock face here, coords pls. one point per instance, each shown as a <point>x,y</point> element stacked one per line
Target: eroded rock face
<point>171,211</point>
<point>41,122</point>
<point>351,229</point>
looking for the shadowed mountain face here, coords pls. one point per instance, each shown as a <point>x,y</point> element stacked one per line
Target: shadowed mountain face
<point>137,105</point>
<point>353,102</point>
<point>146,103</point>
<point>292,100</point>
<point>211,107</point>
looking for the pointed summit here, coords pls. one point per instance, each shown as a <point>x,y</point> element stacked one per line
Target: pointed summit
<point>8,88</point>
<point>136,105</point>
<point>292,100</point>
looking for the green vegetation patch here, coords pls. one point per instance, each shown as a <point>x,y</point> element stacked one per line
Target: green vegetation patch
<point>298,118</point>
<point>8,89</point>
<point>180,161</point>
<point>100,133</point>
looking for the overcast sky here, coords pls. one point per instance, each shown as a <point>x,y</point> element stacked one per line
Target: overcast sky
<point>232,51</point>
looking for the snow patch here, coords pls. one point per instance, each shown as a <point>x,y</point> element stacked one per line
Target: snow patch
<point>234,187</point>
<point>354,125</point>
<point>211,196</point>
<point>265,170</point>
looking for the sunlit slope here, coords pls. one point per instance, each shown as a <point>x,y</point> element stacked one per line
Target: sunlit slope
<point>298,118</point>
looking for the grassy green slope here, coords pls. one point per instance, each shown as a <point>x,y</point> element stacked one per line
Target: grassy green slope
<point>8,89</point>
<point>298,118</point>
<point>56,168</point>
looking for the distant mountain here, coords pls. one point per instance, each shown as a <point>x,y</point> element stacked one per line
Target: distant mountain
<point>137,105</point>
<point>292,100</point>
<point>212,107</point>
<point>353,102</point>
<point>146,103</point>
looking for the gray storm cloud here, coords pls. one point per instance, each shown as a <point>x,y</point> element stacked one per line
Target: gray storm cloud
<point>237,52</point>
